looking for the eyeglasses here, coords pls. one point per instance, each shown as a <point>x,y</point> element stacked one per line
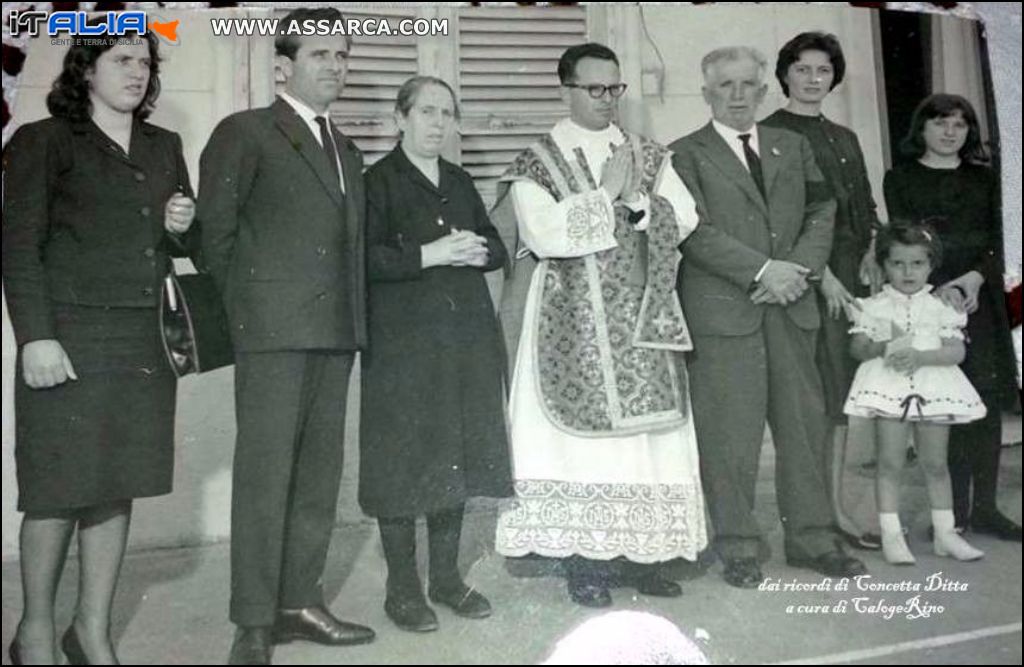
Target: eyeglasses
<point>597,90</point>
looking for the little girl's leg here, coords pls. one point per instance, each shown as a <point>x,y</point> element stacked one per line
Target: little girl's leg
<point>933,441</point>
<point>892,444</point>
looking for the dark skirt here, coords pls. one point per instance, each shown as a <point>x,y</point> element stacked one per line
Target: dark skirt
<point>832,356</point>
<point>108,436</point>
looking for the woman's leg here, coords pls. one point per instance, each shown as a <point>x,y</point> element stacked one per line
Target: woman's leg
<point>892,447</point>
<point>102,538</point>
<point>932,443</point>
<point>444,531</point>
<point>44,544</point>
<point>404,603</point>
<point>842,438</point>
<point>398,537</point>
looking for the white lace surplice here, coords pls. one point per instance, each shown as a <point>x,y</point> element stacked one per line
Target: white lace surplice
<point>636,496</point>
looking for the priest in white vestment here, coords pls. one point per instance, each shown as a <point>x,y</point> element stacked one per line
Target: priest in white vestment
<point>603,445</point>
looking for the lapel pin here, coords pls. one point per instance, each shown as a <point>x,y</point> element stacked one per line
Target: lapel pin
<point>776,152</point>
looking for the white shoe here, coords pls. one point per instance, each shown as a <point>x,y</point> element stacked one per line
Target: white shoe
<point>896,550</point>
<point>949,543</point>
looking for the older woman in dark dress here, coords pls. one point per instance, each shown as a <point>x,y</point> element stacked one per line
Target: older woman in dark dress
<point>809,66</point>
<point>943,180</point>
<point>433,428</point>
<point>96,199</point>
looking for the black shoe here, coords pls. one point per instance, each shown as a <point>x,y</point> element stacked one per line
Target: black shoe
<point>411,614</point>
<point>588,593</point>
<point>997,524</point>
<point>742,572</point>
<point>251,646</point>
<point>865,541</point>
<point>73,648</point>
<point>464,601</point>
<point>316,624</point>
<point>657,585</point>
<point>831,564</point>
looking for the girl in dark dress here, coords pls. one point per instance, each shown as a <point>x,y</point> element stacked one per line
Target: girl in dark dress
<point>942,181</point>
<point>809,66</point>
<point>433,426</point>
<point>95,201</point>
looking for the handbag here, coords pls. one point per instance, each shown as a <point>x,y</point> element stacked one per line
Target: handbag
<point>193,324</point>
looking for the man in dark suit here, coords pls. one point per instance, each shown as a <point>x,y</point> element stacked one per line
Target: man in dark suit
<point>765,231</point>
<point>282,192</point>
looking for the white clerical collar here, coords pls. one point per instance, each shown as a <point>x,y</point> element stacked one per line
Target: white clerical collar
<point>570,128</point>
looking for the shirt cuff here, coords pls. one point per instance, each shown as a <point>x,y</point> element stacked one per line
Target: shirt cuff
<point>760,273</point>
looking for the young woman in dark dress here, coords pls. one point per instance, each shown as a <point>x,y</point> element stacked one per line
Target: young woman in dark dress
<point>809,66</point>
<point>96,200</point>
<point>433,424</point>
<point>942,180</point>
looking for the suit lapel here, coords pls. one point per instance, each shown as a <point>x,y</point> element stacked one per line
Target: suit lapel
<point>723,157</point>
<point>352,174</point>
<point>303,141</point>
<point>772,155</point>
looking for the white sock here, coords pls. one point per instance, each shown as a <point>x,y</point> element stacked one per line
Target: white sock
<point>894,546</point>
<point>947,541</point>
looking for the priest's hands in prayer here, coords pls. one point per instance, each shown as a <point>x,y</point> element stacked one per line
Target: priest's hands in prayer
<point>459,248</point>
<point>620,176</point>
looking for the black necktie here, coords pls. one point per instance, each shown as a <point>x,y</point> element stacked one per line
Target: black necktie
<point>753,164</point>
<point>328,144</point>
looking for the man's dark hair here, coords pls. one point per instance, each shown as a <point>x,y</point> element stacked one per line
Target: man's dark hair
<point>288,44</point>
<point>574,54</point>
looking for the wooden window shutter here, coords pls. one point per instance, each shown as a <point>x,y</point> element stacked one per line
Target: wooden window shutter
<point>508,82</point>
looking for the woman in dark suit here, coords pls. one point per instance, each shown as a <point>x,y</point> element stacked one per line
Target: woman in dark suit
<point>96,201</point>
<point>943,179</point>
<point>433,427</point>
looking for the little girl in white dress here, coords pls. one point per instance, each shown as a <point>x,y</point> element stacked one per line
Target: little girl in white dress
<point>910,344</point>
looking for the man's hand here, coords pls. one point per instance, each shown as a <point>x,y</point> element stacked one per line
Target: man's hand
<point>617,172</point>
<point>761,295</point>
<point>785,280</point>
<point>45,364</point>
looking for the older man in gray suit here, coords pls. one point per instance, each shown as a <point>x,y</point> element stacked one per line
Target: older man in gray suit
<point>765,231</point>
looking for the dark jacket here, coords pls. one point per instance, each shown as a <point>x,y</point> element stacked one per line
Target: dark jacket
<point>84,223</point>
<point>739,231</point>
<point>284,244</point>
<point>433,410</point>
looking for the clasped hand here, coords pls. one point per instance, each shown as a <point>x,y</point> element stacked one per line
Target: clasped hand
<point>459,248</point>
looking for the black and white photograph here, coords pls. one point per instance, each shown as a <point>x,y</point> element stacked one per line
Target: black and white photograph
<point>511,333</point>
